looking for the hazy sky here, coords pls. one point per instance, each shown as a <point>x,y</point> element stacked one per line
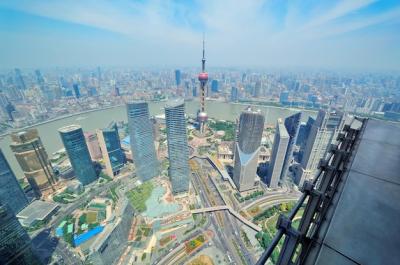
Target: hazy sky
<point>349,34</point>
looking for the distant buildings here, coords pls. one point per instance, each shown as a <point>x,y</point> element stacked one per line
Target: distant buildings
<point>19,80</point>
<point>279,150</point>
<point>178,80</point>
<point>214,86</point>
<point>32,157</point>
<point>93,145</point>
<point>110,144</point>
<point>10,191</point>
<point>284,97</point>
<point>142,140</point>
<point>234,94</point>
<point>78,153</point>
<point>77,91</point>
<point>178,152</point>
<point>323,132</point>
<point>251,126</point>
<point>15,244</point>
<point>257,89</point>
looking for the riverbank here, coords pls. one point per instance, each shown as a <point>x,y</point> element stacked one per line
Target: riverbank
<point>58,118</point>
<point>120,105</point>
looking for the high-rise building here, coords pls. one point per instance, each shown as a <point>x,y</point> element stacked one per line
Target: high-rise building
<point>304,132</point>
<point>234,94</point>
<point>257,89</point>
<point>214,86</point>
<point>32,157</point>
<point>93,145</point>
<point>113,155</point>
<point>76,90</point>
<point>178,151</point>
<point>142,140</point>
<point>19,80</point>
<point>292,125</point>
<point>323,133</point>
<point>78,153</point>
<point>251,126</point>
<point>15,243</point>
<point>11,192</point>
<point>278,155</point>
<point>178,77</point>
<point>284,97</point>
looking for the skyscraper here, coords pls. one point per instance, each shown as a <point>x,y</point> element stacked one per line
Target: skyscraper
<point>15,243</point>
<point>78,153</point>
<point>76,90</point>
<point>142,140</point>
<point>178,77</point>
<point>93,145</point>
<point>234,94</point>
<point>323,132</point>
<point>292,125</point>
<point>214,86</point>
<point>178,151</point>
<point>32,157</point>
<point>257,89</point>
<point>113,155</point>
<point>19,80</point>
<point>251,126</point>
<point>278,155</point>
<point>304,132</point>
<point>10,191</point>
<point>284,97</point>
<point>39,79</point>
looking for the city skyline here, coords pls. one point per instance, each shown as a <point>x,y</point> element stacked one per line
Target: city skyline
<point>117,148</point>
<point>338,34</point>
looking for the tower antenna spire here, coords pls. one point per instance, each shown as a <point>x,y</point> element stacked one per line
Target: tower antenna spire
<point>203,61</point>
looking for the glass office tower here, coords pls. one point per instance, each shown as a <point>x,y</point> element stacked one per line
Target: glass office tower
<point>142,140</point>
<point>178,151</point>
<point>11,192</point>
<point>78,153</point>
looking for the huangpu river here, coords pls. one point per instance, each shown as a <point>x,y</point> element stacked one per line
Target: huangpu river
<point>101,118</point>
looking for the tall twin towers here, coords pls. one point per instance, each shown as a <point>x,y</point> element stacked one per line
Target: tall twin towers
<point>142,143</point>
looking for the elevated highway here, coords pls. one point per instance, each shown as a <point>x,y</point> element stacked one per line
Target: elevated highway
<point>231,211</point>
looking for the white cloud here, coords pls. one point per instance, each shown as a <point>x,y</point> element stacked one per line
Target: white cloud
<point>237,32</point>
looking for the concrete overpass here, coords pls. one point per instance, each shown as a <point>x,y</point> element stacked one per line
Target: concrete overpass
<point>231,211</point>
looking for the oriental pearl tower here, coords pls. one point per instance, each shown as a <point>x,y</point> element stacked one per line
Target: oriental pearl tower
<point>203,78</point>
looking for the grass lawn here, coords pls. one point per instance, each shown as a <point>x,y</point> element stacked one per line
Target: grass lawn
<point>139,195</point>
<point>193,244</point>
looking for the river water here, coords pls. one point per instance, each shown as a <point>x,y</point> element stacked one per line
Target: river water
<point>99,119</point>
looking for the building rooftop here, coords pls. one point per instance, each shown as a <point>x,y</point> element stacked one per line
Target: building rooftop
<point>362,225</point>
<point>36,211</point>
<point>174,103</point>
<point>282,130</point>
<point>69,128</point>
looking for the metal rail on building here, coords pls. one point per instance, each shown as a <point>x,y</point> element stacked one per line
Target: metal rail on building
<point>318,193</point>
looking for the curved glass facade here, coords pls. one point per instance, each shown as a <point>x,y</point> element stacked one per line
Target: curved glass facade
<point>251,126</point>
<point>178,151</point>
<point>142,140</point>
<point>78,153</point>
